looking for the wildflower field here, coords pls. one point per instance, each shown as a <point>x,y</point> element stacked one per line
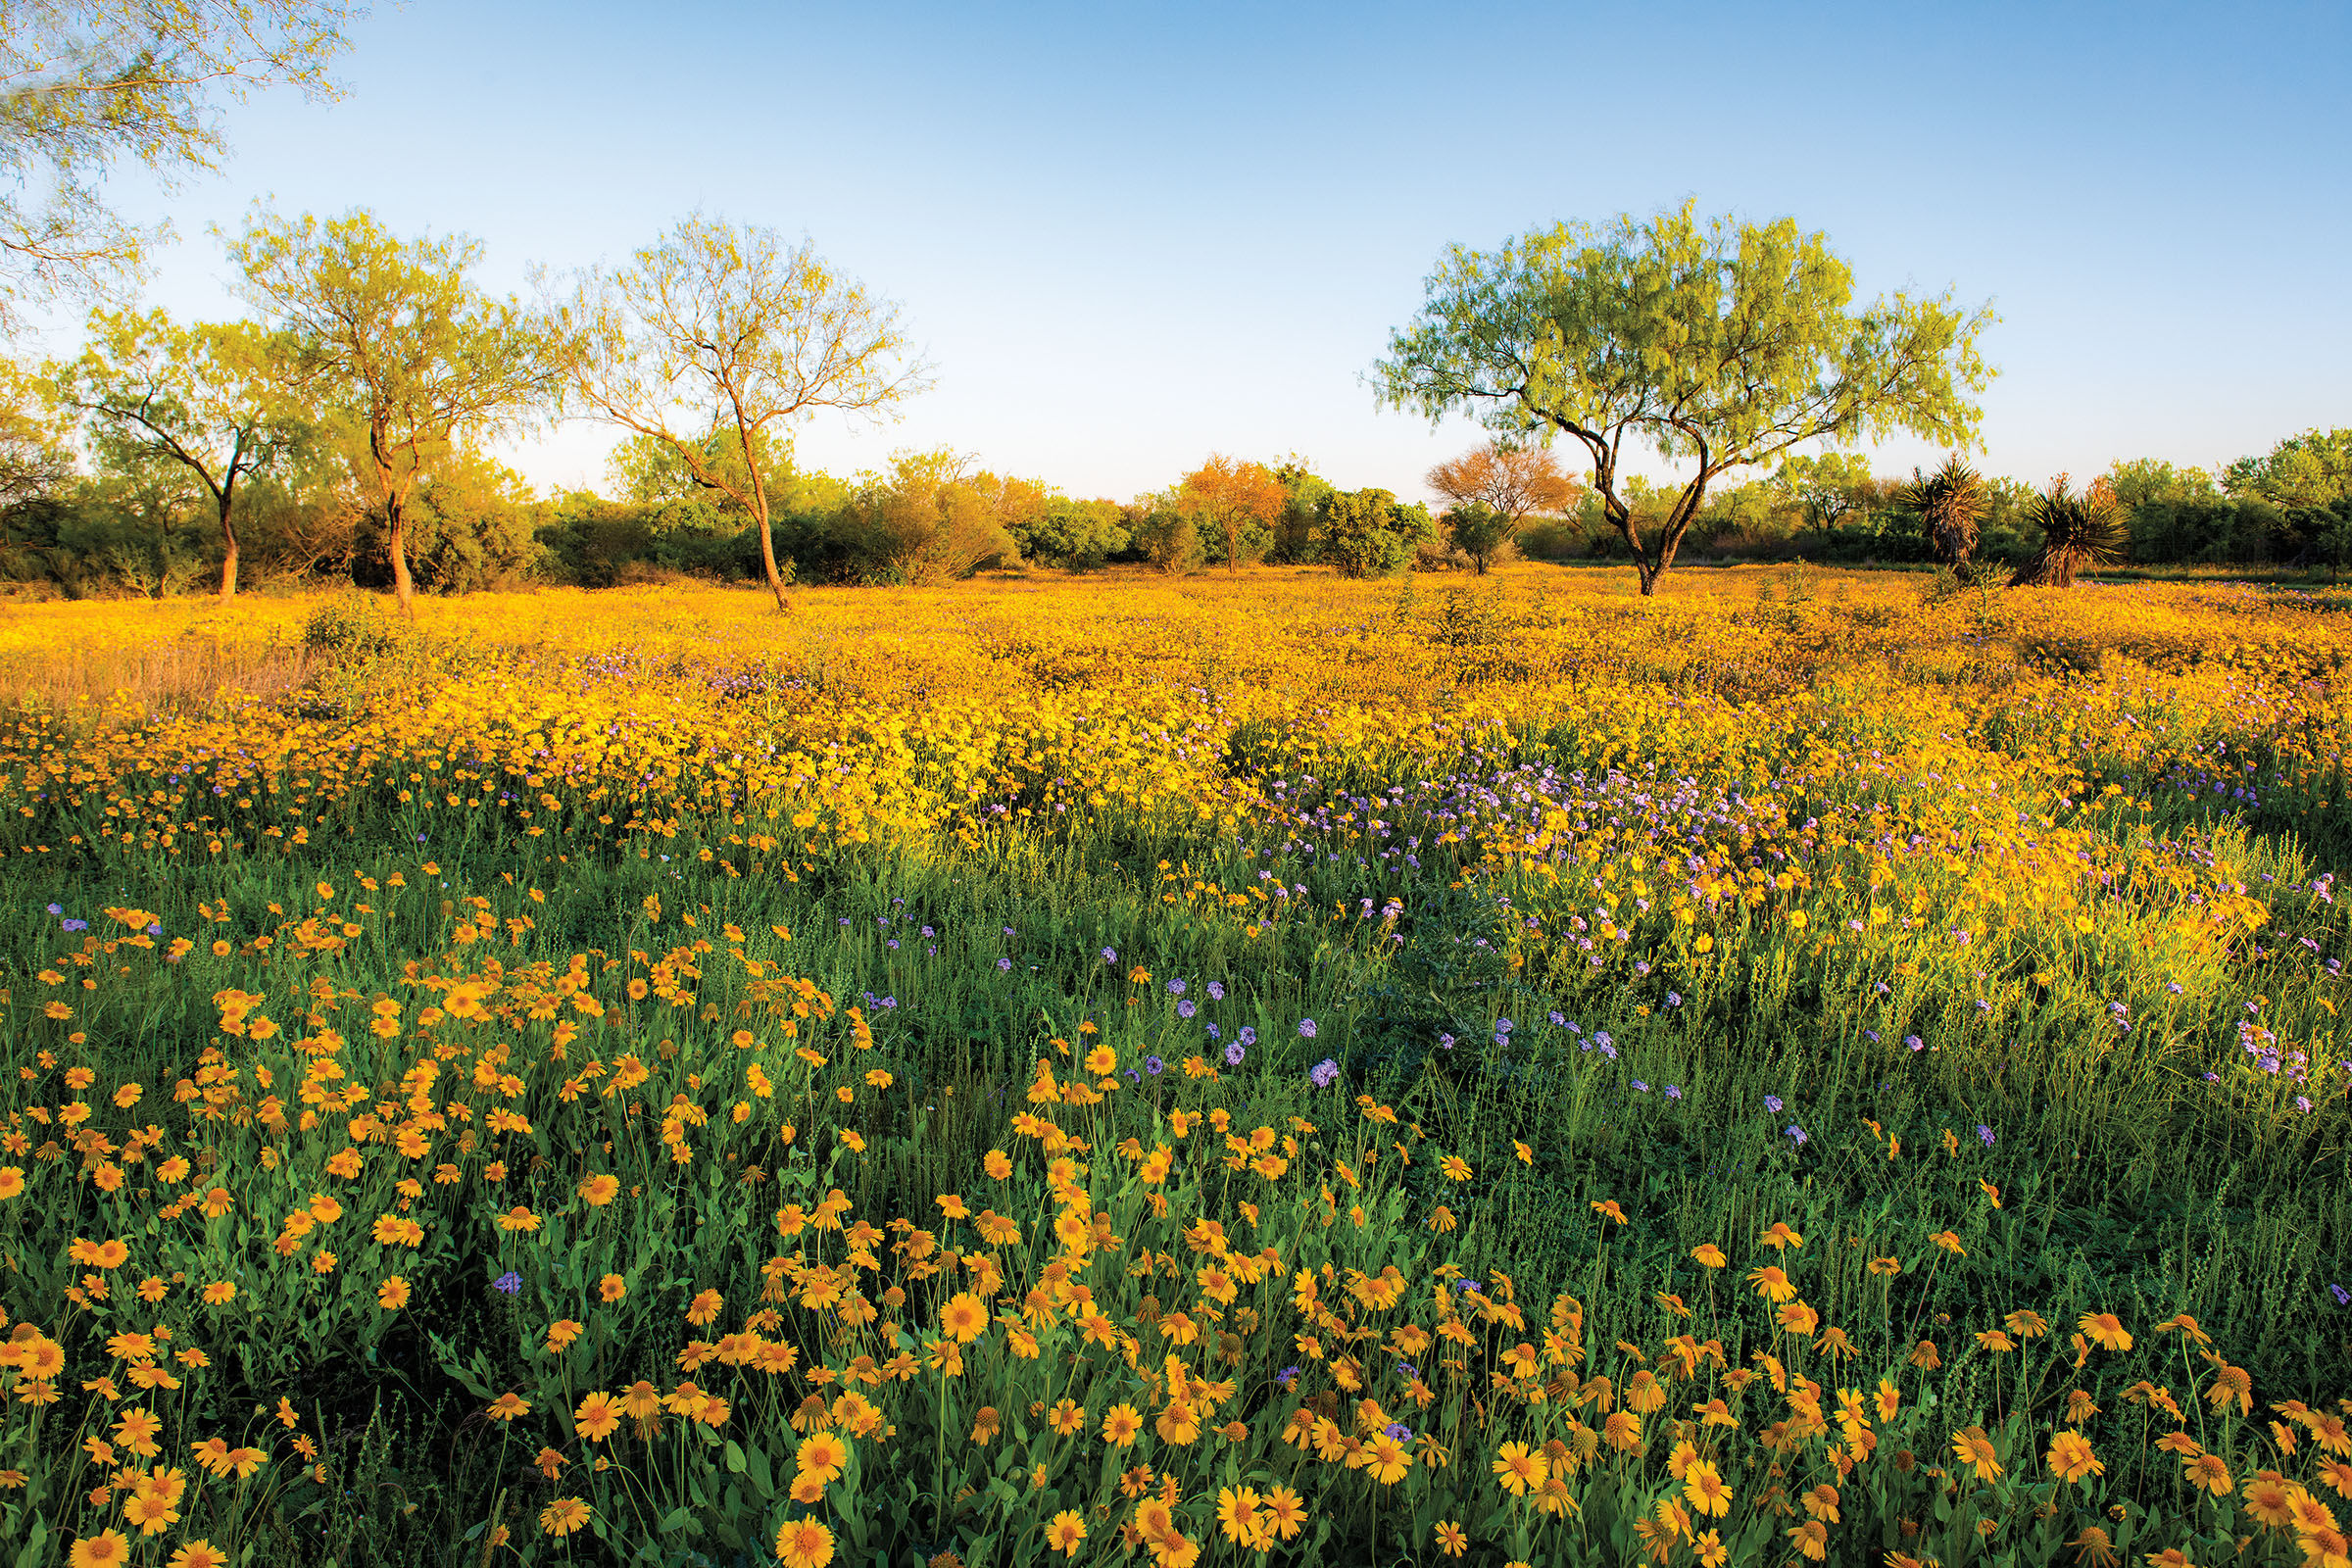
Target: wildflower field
<point>1262,1070</point>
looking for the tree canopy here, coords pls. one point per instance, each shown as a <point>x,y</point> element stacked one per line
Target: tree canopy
<point>1717,344</point>
<point>1495,488</point>
<point>718,336</point>
<point>210,398</point>
<point>1234,501</point>
<point>395,334</point>
<point>87,83</point>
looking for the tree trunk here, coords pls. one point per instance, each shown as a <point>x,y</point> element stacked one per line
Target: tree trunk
<point>229,554</point>
<point>396,540</point>
<point>767,559</point>
<point>1648,574</point>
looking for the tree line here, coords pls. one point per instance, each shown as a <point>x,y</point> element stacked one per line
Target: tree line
<point>341,428</point>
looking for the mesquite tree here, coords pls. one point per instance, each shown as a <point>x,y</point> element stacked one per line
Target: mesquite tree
<point>1717,345</point>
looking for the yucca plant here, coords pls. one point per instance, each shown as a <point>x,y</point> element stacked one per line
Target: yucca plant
<point>2077,531</point>
<point>1949,504</point>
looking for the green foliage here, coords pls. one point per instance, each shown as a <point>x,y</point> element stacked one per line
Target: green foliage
<point>395,337</point>
<point>2307,470</point>
<point>351,626</point>
<point>927,520</point>
<point>1727,344</point>
<point>90,85</point>
<point>1166,537</point>
<point>745,336</point>
<point>1368,533</point>
<point>1078,534</point>
<point>1480,532</point>
<point>1304,494</point>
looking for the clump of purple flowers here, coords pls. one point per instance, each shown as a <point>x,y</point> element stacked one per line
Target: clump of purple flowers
<point>1324,1073</point>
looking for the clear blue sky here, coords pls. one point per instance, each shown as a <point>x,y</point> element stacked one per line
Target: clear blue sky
<point>1130,236</point>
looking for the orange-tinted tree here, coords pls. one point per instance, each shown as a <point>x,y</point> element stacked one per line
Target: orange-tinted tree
<point>1232,500</point>
<point>1496,487</point>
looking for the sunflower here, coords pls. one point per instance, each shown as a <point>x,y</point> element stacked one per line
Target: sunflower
<point>823,1455</point>
<point>1284,1511</point>
<point>153,1511</point>
<point>1066,1530</point>
<point>1781,1238</point>
<point>1518,1469</point>
<point>599,1189</point>
<point>2269,1498</point>
<point>1709,1255</point>
<point>1450,1538</point>
<point>1703,1487</point>
<point>804,1543</point>
<point>597,1417</point>
<point>562,1516</point>
<point>2105,1330</point>
<point>106,1550</point>
<point>2208,1471</point>
<point>1386,1459</point>
<point>1120,1424</point>
<point>2071,1457</point>
<point>1772,1284</point>
<point>964,1317</point>
<point>1238,1517</point>
<point>1970,1447</point>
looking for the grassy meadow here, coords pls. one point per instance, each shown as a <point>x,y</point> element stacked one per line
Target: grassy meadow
<point>1808,1067</point>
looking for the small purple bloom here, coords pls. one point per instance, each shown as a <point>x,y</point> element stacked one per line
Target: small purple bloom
<point>1772,1102</point>
<point>1446,1041</point>
<point>1234,1054</point>
<point>1154,1066</point>
<point>1798,1133</point>
<point>1306,1028</point>
<point>1673,1093</point>
<point>1399,1432</point>
<point>1110,955</point>
<point>1216,991</point>
<point>1002,965</point>
<point>508,1282</point>
<point>1985,1133</point>
<point>1176,988</point>
<point>1185,1008</point>
<point>1915,1043</point>
<point>2343,1297</point>
<point>1325,1073</point>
